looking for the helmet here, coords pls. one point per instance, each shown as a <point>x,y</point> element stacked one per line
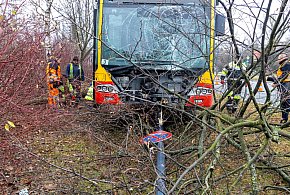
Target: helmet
<point>52,57</point>
<point>282,57</point>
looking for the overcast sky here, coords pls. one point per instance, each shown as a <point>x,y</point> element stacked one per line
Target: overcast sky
<point>245,13</point>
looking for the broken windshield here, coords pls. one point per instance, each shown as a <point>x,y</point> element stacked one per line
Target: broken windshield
<point>167,33</point>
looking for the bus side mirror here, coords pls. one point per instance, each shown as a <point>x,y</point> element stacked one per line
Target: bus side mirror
<point>220,21</point>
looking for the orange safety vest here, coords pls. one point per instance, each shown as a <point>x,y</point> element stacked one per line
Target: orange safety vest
<point>53,72</point>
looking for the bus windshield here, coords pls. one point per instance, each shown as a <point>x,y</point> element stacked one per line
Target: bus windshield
<point>162,35</point>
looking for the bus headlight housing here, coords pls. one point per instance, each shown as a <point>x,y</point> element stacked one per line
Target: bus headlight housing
<point>108,88</point>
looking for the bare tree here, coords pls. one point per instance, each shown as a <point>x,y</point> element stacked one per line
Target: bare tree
<point>79,17</point>
<point>228,127</point>
<point>211,152</point>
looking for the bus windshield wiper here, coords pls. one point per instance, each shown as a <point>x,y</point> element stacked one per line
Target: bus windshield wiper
<point>120,68</point>
<point>157,62</point>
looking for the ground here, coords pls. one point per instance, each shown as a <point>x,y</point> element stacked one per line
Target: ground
<point>70,156</point>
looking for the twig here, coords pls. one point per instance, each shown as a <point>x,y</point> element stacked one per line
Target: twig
<point>277,188</point>
<point>213,146</point>
<point>252,160</point>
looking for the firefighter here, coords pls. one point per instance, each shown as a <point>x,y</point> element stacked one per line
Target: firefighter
<point>53,76</point>
<point>75,75</point>
<point>283,83</point>
<point>232,72</point>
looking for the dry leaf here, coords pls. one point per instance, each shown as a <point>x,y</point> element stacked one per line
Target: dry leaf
<point>6,127</point>
<point>11,124</point>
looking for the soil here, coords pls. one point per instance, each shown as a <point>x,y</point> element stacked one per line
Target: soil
<point>77,151</point>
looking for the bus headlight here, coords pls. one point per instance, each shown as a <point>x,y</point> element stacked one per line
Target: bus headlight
<point>104,88</point>
<point>110,89</point>
<point>198,91</point>
<point>107,88</point>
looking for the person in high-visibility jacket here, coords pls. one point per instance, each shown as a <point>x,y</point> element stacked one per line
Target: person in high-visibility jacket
<point>233,72</point>
<point>53,76</point>
<point>283,82</point>
<point>75,75</point>
<point>65,91</point>
<point>90,92</point>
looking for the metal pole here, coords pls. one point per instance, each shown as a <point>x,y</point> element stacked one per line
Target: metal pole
<point>161,188</point>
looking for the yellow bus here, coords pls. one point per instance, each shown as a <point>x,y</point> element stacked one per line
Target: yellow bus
<point>154,51</point>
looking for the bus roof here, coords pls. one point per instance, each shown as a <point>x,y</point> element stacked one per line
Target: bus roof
<point>156,1</point>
